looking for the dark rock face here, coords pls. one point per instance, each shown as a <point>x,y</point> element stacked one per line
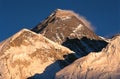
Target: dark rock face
<point>84,46</point>
<point>65,28</point>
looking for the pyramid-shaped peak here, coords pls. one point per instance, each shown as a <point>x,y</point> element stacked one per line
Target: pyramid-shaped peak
<point>30,51</point>
<point>62,24</point>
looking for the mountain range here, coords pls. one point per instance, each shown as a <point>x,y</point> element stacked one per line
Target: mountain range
<point>63,46</point>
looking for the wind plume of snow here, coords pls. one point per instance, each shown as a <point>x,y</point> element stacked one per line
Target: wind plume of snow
<point>85,21</point>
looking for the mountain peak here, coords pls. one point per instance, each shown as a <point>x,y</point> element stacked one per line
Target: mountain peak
<point>61,24</point>
<point>67,28</point>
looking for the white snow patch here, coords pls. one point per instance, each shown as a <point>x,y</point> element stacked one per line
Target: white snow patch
<point>78,28</point>
<point>65,13</point>
<point>105,39</point>
<point>65,18</point>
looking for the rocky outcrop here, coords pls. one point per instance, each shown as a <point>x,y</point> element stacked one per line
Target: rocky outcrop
<point>97,65</point>
<point>67,28</point>
<point>27,53</point>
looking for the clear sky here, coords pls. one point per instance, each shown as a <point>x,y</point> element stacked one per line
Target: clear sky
<point>17,14</point>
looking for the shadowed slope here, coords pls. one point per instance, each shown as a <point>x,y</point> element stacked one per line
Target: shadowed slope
<point>84,46</point>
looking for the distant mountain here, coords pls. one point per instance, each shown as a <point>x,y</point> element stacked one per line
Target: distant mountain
<point>67,28</point>
<point>26,54</point>
<point>97,65</point>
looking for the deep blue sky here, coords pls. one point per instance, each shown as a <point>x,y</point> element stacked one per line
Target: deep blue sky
<point>17,14</point>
